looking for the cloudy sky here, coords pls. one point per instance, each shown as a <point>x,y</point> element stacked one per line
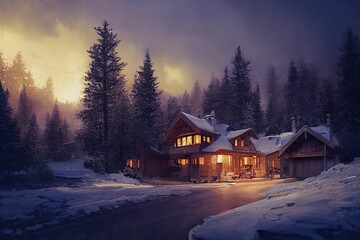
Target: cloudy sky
<point>188,40</point>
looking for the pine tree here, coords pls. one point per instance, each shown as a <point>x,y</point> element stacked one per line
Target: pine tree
<point>122,139</point>
<point>224,112</point>
<point>172,110</point>
<point>100,95</point>
<point>196,100</point>
<point>292,92</point>
<point>258,114</point>
<point>9,134</point>
<point>16,77</point>
<point>31,142</point>
<point>23,111</point>
<point>274,110</point>
<point>55,135</point>
<point>326,101</point>
<point>211,101</point>
<point>348,111</point>
<point>241,92</point>
<point>3,71</point>
<point>148,116</point>
<point>185,102</point>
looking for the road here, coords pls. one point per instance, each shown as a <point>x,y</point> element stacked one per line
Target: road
<point>169,218</point>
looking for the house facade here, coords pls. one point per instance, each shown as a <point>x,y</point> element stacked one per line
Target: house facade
<point>202,149</point>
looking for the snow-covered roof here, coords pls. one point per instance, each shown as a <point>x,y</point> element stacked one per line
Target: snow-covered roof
<point>326,133</point>
<point>222,143</point>
<point>200,123</point>
<point>234,134</point>
<point>270,144</point>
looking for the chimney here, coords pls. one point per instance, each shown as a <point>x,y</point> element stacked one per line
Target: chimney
<point>293,124</point>
<point>211,119</point>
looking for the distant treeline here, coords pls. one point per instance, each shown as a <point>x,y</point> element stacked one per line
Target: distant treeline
<point>115,121</point>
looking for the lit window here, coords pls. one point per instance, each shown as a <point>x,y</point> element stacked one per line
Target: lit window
<point>242,143</point>
<point>201,161</point>
<point>236,142</point>
<point>219,159</point>
<point>179,142</point>
<point>208,139</point>
<point>183,161</point>
<point>189,140</point>
<point>183,141</point>
<point>133,163</point>
<point>197,139</point>
<point>195,161</point>
<point>204,139</point>
<point>246,161</point>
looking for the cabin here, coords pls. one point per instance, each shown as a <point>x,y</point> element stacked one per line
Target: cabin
<point>300,154</point>
<point>205,150</point>
<point>202,149</point>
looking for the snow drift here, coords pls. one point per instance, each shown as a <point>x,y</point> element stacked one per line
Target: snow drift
<point>317,208</point>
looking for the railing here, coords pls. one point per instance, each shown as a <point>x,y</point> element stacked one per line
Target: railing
<point>185,149</point>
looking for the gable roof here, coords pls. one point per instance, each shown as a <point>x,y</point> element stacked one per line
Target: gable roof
<point>237,133</point>
<point>197,122</point>
<point>270,144</point>
<point>222,143</point>
<point>310,131</point>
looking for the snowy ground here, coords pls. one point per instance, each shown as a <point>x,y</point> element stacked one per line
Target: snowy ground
<point>22,210</point>
<point>323,207</point>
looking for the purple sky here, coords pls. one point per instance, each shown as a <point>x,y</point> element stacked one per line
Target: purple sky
<point>188,40</point>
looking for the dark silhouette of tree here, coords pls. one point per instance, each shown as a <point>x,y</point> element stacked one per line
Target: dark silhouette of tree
<point>31,141</point>
<point>211,101</point>
<point>258,114</point>
<point>172,110</point>
<point>326,101</point>
<point>240,97</point>
<point>348,99</point>
<point>292,93</point>
<point>100,95</point>
<point>196,100</point>
<point>274,111</point>
<point>185,103</point>
<point>224,112</point>
<point>9,135</point>
<point>23,111</point>
<point>55,135</point>
<point>148,116</point>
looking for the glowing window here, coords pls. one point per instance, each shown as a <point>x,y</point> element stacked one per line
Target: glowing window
<point>236,142</point>
<point>179,142</point>
<point>133,163</point>
<point>208,139</point>
<point>242,143</point>
<point>204,139</point>
<point>201,161</point>
<point>197,139</point>
<point>195,161</point>
<point>183,161</point>
<point>189,140</point>
<point>183,141</point>
<point>219,159</point>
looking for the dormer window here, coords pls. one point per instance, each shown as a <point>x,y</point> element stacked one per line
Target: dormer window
<point>236,142</point>
<point>187,140</point>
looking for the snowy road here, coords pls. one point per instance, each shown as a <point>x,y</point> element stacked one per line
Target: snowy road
<point>169,218</point>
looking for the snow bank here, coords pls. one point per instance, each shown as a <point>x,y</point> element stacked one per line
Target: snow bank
<point>94,193</point>
<point>308,208</point>
<point>75,169</point>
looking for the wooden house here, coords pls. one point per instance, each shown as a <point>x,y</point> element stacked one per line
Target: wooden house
<point>300,154</point>
<point>202,149</point>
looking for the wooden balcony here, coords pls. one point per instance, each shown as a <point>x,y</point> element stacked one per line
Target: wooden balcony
<point>185,150</point>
